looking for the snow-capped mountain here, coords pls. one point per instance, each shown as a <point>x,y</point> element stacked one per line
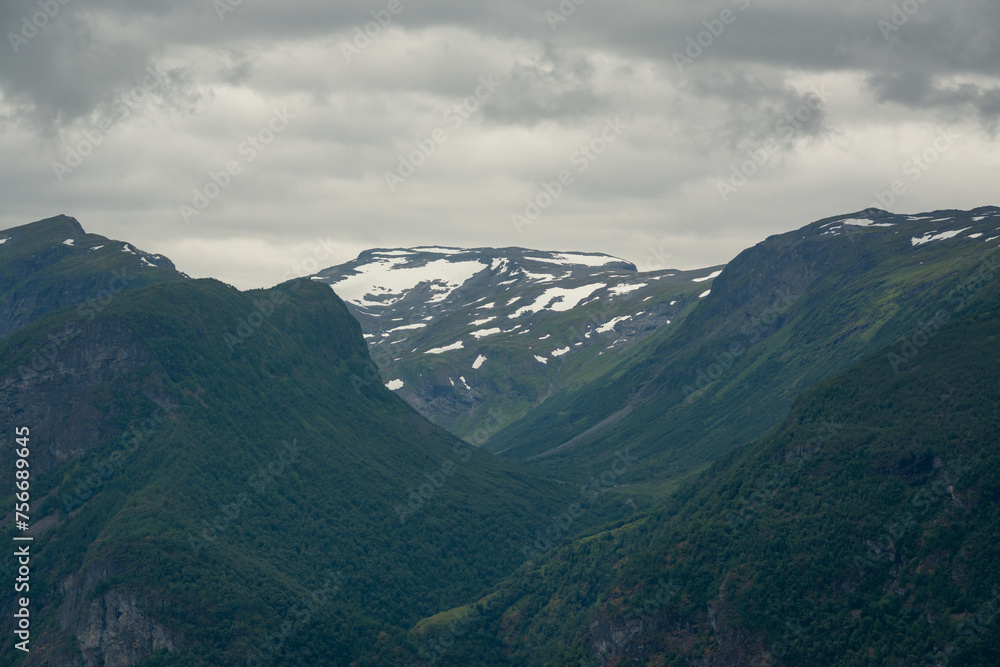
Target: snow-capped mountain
<point>460,332</point>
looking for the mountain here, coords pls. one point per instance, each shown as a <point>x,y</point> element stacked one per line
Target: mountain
<point>473,338</point>
<point>794,309</point>
<point>860,530</point>
<point>207,485</point>
<point>54,263</point>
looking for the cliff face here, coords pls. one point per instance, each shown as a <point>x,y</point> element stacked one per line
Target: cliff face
<point>66,389</point>
<point>112,628</point>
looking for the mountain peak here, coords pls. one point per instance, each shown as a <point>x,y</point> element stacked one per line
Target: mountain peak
<point>384,276</point>
<point>54,229</point>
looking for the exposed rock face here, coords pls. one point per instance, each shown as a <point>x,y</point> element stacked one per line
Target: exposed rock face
<point>112,628</point>
<point>659,633</point>
<point>65,393</point>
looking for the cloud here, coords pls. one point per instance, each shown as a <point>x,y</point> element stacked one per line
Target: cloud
<point>220,76</point>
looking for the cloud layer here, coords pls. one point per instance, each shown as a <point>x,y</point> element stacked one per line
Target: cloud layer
<point>412,122</point>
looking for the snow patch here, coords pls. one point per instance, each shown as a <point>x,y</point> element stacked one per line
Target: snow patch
<point>704,294</point>
<point>618,290</point>
<point>476,323</point>
<point>388,277</point>
<point>605,328</point>
<point>408,327</point>
<point>439,250</point>
<point>927,238</point>
<point>486,305</point>
<point>393,385</point>
<point>573,258</point>
<point>561,351</point>
<point>541,359</point>
<point>68,242</point>
<point>546,336</point>
<point>483,333</point>
<point>447,348</point>
<point>462,378</point>
<point>478,363</point>
<point>708,277</point>
<point>975,236</point>
<point>2,241</point>
<point>861,222</point>
<point>538,277</point>
<point>559,299</point>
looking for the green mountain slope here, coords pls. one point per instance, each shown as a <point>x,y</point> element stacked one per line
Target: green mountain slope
<point>781,316</point>
<point>209,487</point>
<point>54,263</point>
<point>860,531</point>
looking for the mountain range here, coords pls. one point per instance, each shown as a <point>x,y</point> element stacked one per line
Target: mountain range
<point>511,456</point>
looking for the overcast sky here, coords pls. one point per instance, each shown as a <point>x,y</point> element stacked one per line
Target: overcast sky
<point>116,112</point>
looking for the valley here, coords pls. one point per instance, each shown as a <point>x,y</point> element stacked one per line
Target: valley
<point>505,456</point>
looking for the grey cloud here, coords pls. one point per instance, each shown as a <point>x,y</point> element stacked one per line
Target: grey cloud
<point>534,92</point>
<point>761,109</point>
